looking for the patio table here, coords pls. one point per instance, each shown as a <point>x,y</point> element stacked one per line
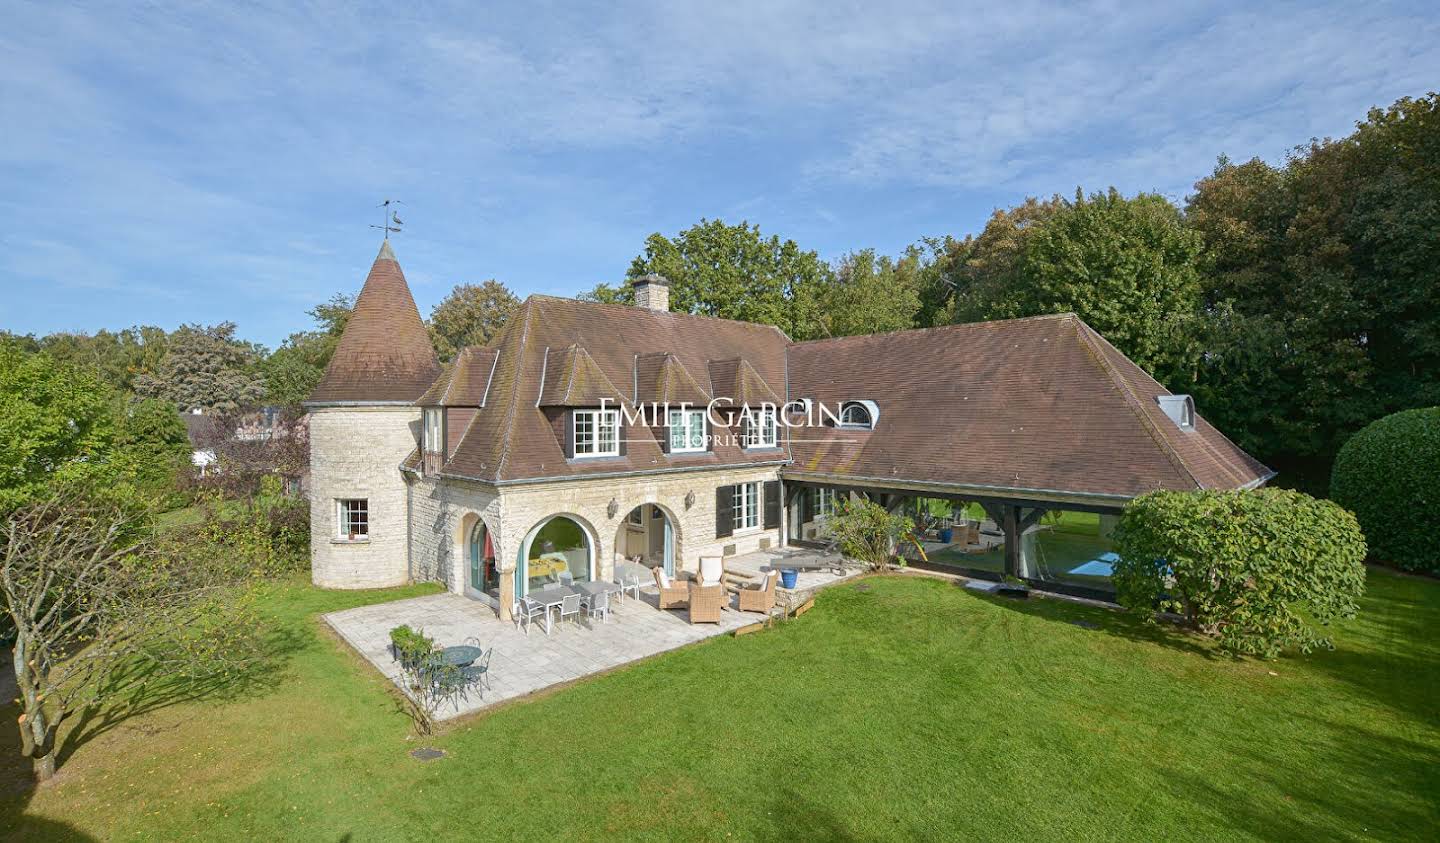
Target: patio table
<point>461,656</point>
<point>551,597</point>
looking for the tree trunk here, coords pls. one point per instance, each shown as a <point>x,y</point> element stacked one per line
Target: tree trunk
<point>45,766</point>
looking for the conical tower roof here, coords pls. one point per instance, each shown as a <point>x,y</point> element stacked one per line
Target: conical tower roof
<point>384,355</point>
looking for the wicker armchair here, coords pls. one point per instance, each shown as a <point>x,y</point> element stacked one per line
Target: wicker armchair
<point>706,601</point>
<point>759,597</point>
<point>673,594</point>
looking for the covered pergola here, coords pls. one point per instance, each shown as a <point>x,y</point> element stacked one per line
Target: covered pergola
<point>1013,511</point>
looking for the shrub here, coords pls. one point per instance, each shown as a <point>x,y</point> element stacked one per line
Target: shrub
<point>867,531</point>
<point>1388,474</point>
<point>267,535</point>
<point>1250,568</point>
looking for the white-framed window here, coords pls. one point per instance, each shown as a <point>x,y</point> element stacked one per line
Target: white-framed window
<point>824,503</point>
<point>434,430</point>
<point>597,433</point>
<point>855,415</point>
<point>747,506</point>
<point>687,431</point>
<point>636,517</point>
<point>761,431</point>
<point>353,518</point>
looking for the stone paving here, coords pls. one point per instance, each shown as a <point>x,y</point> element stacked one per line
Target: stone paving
<point>524,663</point>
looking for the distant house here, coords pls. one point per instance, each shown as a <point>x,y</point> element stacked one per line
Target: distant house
<point>587,433</point>
<point>202,430</point>
<point>254,440</point>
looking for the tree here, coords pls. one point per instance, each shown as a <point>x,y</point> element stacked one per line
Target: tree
<point>470,315</point>
<point>867,531</point>
<point>1127,266</point>
<point>206,367</point>
<point>295,368</point>
<point>603,293</point>
<point>734,272</point>
<point>99,614</point>
<point>153,447</point>
<point>56,423</point>
<point>1251,568</point>
<point>1324,275</point>
<point>1388,474</point>
<point>869,294</point>
<point>116,358</point>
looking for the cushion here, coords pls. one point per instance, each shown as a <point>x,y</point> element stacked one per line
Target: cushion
<point>664,580</point>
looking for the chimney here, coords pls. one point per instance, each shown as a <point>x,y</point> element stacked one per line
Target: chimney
<point>652,292</point>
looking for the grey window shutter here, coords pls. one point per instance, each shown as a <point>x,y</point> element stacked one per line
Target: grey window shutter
<point>620,433</point>
<point>568,419</point>
<point>772,504</point>
<point>724,511</point>
<point>807,504</point>
<point>664,431</point>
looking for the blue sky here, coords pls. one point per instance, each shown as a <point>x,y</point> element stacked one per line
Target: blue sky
<point>198,163</point>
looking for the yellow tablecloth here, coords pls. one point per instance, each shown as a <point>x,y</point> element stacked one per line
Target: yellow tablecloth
<point>549,565</point>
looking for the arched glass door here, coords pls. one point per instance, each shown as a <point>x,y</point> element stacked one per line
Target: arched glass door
<point>557,551</point>
<point>482,575</point>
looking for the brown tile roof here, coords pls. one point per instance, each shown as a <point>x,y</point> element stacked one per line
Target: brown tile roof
<point>572,379</point>
<point>660,378</point>
<point>737,380</point>
<point>384,355</point>
<point>463,382</point>
<point>513,438</point>
<point>1041,404</point>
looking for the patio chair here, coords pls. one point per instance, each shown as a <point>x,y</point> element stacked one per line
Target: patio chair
<point>706,601</point>
<point>759,597</point>
<point>567,578</point>
<point>479,672</point>
<point>527,611</point>
<point>570,607</point>
<point>712,570</point>
<point>597,604</point>
<point>628,578</point>
<point>673,595</point>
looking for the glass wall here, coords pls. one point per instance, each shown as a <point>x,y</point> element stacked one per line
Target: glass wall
<point>1072,548</point>
<point>558,553</point>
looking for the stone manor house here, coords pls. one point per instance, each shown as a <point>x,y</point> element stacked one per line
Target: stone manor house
<point>587,433</point>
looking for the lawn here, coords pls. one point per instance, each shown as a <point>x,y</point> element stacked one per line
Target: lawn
<point>901,707</point>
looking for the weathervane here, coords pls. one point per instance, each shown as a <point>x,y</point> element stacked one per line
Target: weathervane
<point>390,220</point>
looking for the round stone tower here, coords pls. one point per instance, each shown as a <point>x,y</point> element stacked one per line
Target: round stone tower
<point>363,424</point>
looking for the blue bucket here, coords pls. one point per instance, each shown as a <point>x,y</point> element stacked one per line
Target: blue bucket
<point>788,577</point>
<point>947,535</point>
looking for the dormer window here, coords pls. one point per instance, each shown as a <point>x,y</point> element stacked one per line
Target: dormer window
<point>597,433</point>
<point>855,415</point>
<point>1180,409</point>
<point>687,431</point>
<point>434,430</point>
<point>760,428</point>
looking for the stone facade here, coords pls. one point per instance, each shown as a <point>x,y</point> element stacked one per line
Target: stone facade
<point>355,453</point>
<point>443,511</point>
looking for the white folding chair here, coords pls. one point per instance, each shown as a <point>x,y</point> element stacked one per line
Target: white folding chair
<point>570,607</point>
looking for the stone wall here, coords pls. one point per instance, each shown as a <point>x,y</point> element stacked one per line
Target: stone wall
<point>442,513</point>
<point>355,452</point>
<point>588,501</point>
<point>443,510</point>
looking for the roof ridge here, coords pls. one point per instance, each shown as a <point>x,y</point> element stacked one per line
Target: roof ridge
<point>986,323</point>
<point>630,308</point>
<point>1088,336</point>
<point>507,426</point>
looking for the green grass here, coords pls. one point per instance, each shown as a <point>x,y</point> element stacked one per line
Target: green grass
<point>902,707</point>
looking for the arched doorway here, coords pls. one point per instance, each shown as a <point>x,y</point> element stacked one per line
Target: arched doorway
<point>647,535</point>
<point>557,550</point>
<point>482,576</point>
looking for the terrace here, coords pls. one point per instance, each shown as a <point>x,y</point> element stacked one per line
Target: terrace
<point>527,661</point>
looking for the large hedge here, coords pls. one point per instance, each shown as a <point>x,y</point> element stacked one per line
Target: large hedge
<point>1388,474</point>
<point>1252,568</point>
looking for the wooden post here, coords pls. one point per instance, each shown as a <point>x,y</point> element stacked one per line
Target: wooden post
<point>1015,563</point>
